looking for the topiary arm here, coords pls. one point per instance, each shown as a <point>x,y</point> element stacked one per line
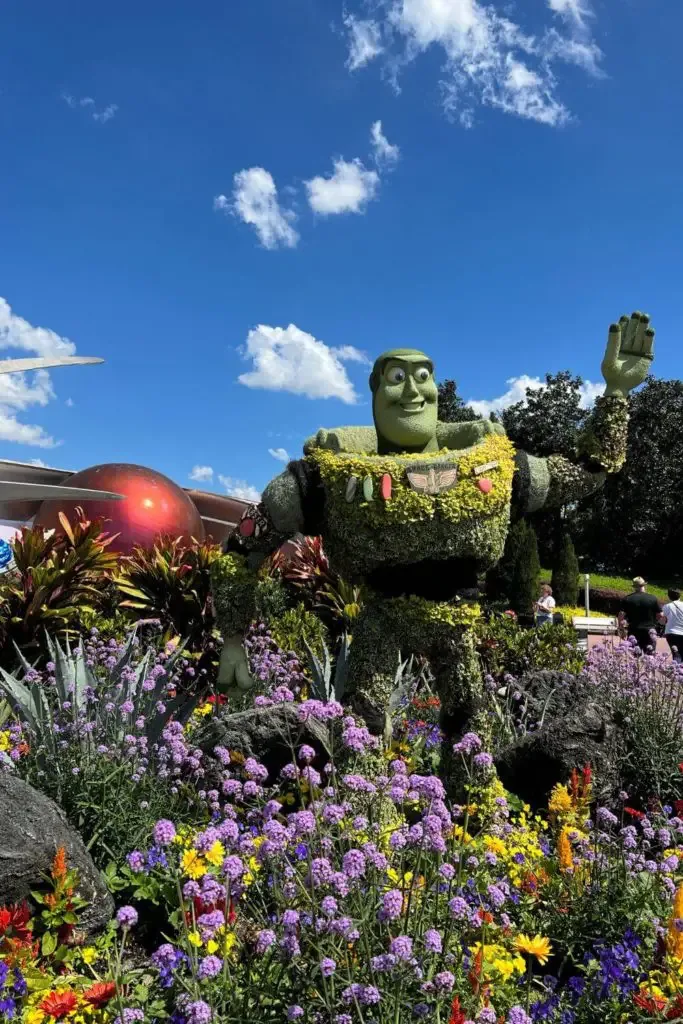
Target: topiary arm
<point>467,433</point>
<point>290,504</point>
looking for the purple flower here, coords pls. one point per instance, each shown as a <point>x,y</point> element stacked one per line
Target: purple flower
<point>432,940</point>
<point>392,905</point>
<point>136,862</point>
<point>353,864</point>
<point>469,744</point>
<point>209,967</point>
<point>264,940</point>
<point>458,907</point>
<point>327,966</point>
<point>483,761</point>
<point>366,995</point>
<point>127,917</point>
<point>127,707</point>
<point>444,981</point>
<point>197,1012</point>
<point>294,1012</point>
<point>164,832</point>
<point>306,753</point>
<point>517,1015</point>
<point>401,947</point>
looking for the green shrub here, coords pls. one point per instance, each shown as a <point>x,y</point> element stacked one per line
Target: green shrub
<point>565,578</point>
<point>506,647</point>
<point>525,571</point>
<point>296,628</point>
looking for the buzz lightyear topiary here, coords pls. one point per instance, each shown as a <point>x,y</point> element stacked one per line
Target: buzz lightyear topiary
<point>417,510</point>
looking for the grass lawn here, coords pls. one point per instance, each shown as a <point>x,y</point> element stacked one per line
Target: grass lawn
<point>616,583</point>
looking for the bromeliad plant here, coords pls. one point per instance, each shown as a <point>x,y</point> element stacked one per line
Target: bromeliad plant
<point>58,576</point>
<point>306,569</point>
<point>171,583</point>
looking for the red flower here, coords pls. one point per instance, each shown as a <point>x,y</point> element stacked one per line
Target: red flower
<point>59,1004</point>
<point>634,813</point>
<point>15,920</point>
<point>678,808</point>
<point>99,994</point>
<point>457,1016</point>
<point>651,1004</point>
<point>675,1011</point>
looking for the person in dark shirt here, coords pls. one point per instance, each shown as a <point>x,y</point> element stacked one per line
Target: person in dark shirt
<point>641,612</point>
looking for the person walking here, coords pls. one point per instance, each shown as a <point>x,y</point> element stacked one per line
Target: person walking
<point>545,606</point>
<point>672,616</point>
<point>641,612</point>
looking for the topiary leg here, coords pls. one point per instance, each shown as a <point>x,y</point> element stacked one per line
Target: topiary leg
<point>373,660</point>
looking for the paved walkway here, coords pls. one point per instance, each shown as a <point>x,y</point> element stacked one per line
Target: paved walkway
<point>662,645</point>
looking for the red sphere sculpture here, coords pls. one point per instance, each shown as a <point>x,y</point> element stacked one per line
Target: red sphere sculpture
<point>152,504</point>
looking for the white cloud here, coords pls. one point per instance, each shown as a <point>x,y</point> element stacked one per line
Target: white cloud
<point>88,103</point>
<point>365,42</point>
<point>201,474</point>
<point>106,115</point>
<point>489,60</point>
<point>281,454</point>
<point>348,190</point>
<point>517,388</point>
<point>289,359</point>
<point>239,488</point>
<point>38,462</point>
<point>255,201</point>
<point>69,402</point>
<point>572,9</point>
<point>17,391</point>
<point>384,152</point>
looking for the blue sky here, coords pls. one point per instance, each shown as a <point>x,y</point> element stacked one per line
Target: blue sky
<point>201,193</point>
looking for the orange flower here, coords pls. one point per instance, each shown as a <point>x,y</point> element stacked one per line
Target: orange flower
<point>59,864</point>
<point>59,1004</point>
<point>674,938</point>
<point>99,994</point>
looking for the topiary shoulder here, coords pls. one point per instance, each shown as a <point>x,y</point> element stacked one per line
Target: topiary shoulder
<point>363,440</point>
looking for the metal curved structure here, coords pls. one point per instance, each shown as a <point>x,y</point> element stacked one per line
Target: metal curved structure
<point>24,487</point>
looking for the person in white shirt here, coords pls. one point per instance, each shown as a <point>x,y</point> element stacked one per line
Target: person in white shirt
<point>672,615</point>
<point>545,606</point>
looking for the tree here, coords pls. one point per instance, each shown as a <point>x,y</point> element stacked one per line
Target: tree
<point>453,408</point>
<point>525,571</point>
<point>635,524</point>
<point>566,573</point>
<point>549,420</point>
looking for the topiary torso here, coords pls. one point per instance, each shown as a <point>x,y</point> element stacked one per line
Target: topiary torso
<point>388,538</point>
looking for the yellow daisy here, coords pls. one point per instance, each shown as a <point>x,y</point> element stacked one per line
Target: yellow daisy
<point>535,946</point>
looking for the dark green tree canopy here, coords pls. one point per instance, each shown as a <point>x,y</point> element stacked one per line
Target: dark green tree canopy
<point>548,422</point>
<point>453,408</point>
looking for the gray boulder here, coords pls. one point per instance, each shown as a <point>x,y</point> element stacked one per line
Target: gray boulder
<point>33,829</point>
<point>586,734</point>
<point>267,734</point>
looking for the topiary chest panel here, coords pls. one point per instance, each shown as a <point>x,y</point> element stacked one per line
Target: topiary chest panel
<point>402,509</point>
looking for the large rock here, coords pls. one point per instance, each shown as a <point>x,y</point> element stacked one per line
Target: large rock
<point>584,734</point>
<point>267,734</point>
<point>33,828</point>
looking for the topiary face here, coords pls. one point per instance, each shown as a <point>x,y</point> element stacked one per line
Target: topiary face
<point>404,401</point>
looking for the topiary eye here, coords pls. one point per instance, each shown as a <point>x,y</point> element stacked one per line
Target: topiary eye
<point>422,374</point>
<point>396,375</point>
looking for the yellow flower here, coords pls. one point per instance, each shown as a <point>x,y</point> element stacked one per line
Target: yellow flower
<point>211,946</point>
<point>203,709</point>
<point>564,851</point>
<point>34,1015</point>
<point>194,938</point>
<point>4,741</point>
<point>560,802</point>
<point>674,938</point>
<point>216,854</point>
<point>535,946</point>
<point>89,954</point>
<point>193,865</point>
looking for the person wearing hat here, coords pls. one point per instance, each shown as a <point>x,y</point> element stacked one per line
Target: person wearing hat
<point>641,612</point>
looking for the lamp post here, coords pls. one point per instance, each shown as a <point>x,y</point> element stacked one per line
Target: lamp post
<point>587,599</point>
